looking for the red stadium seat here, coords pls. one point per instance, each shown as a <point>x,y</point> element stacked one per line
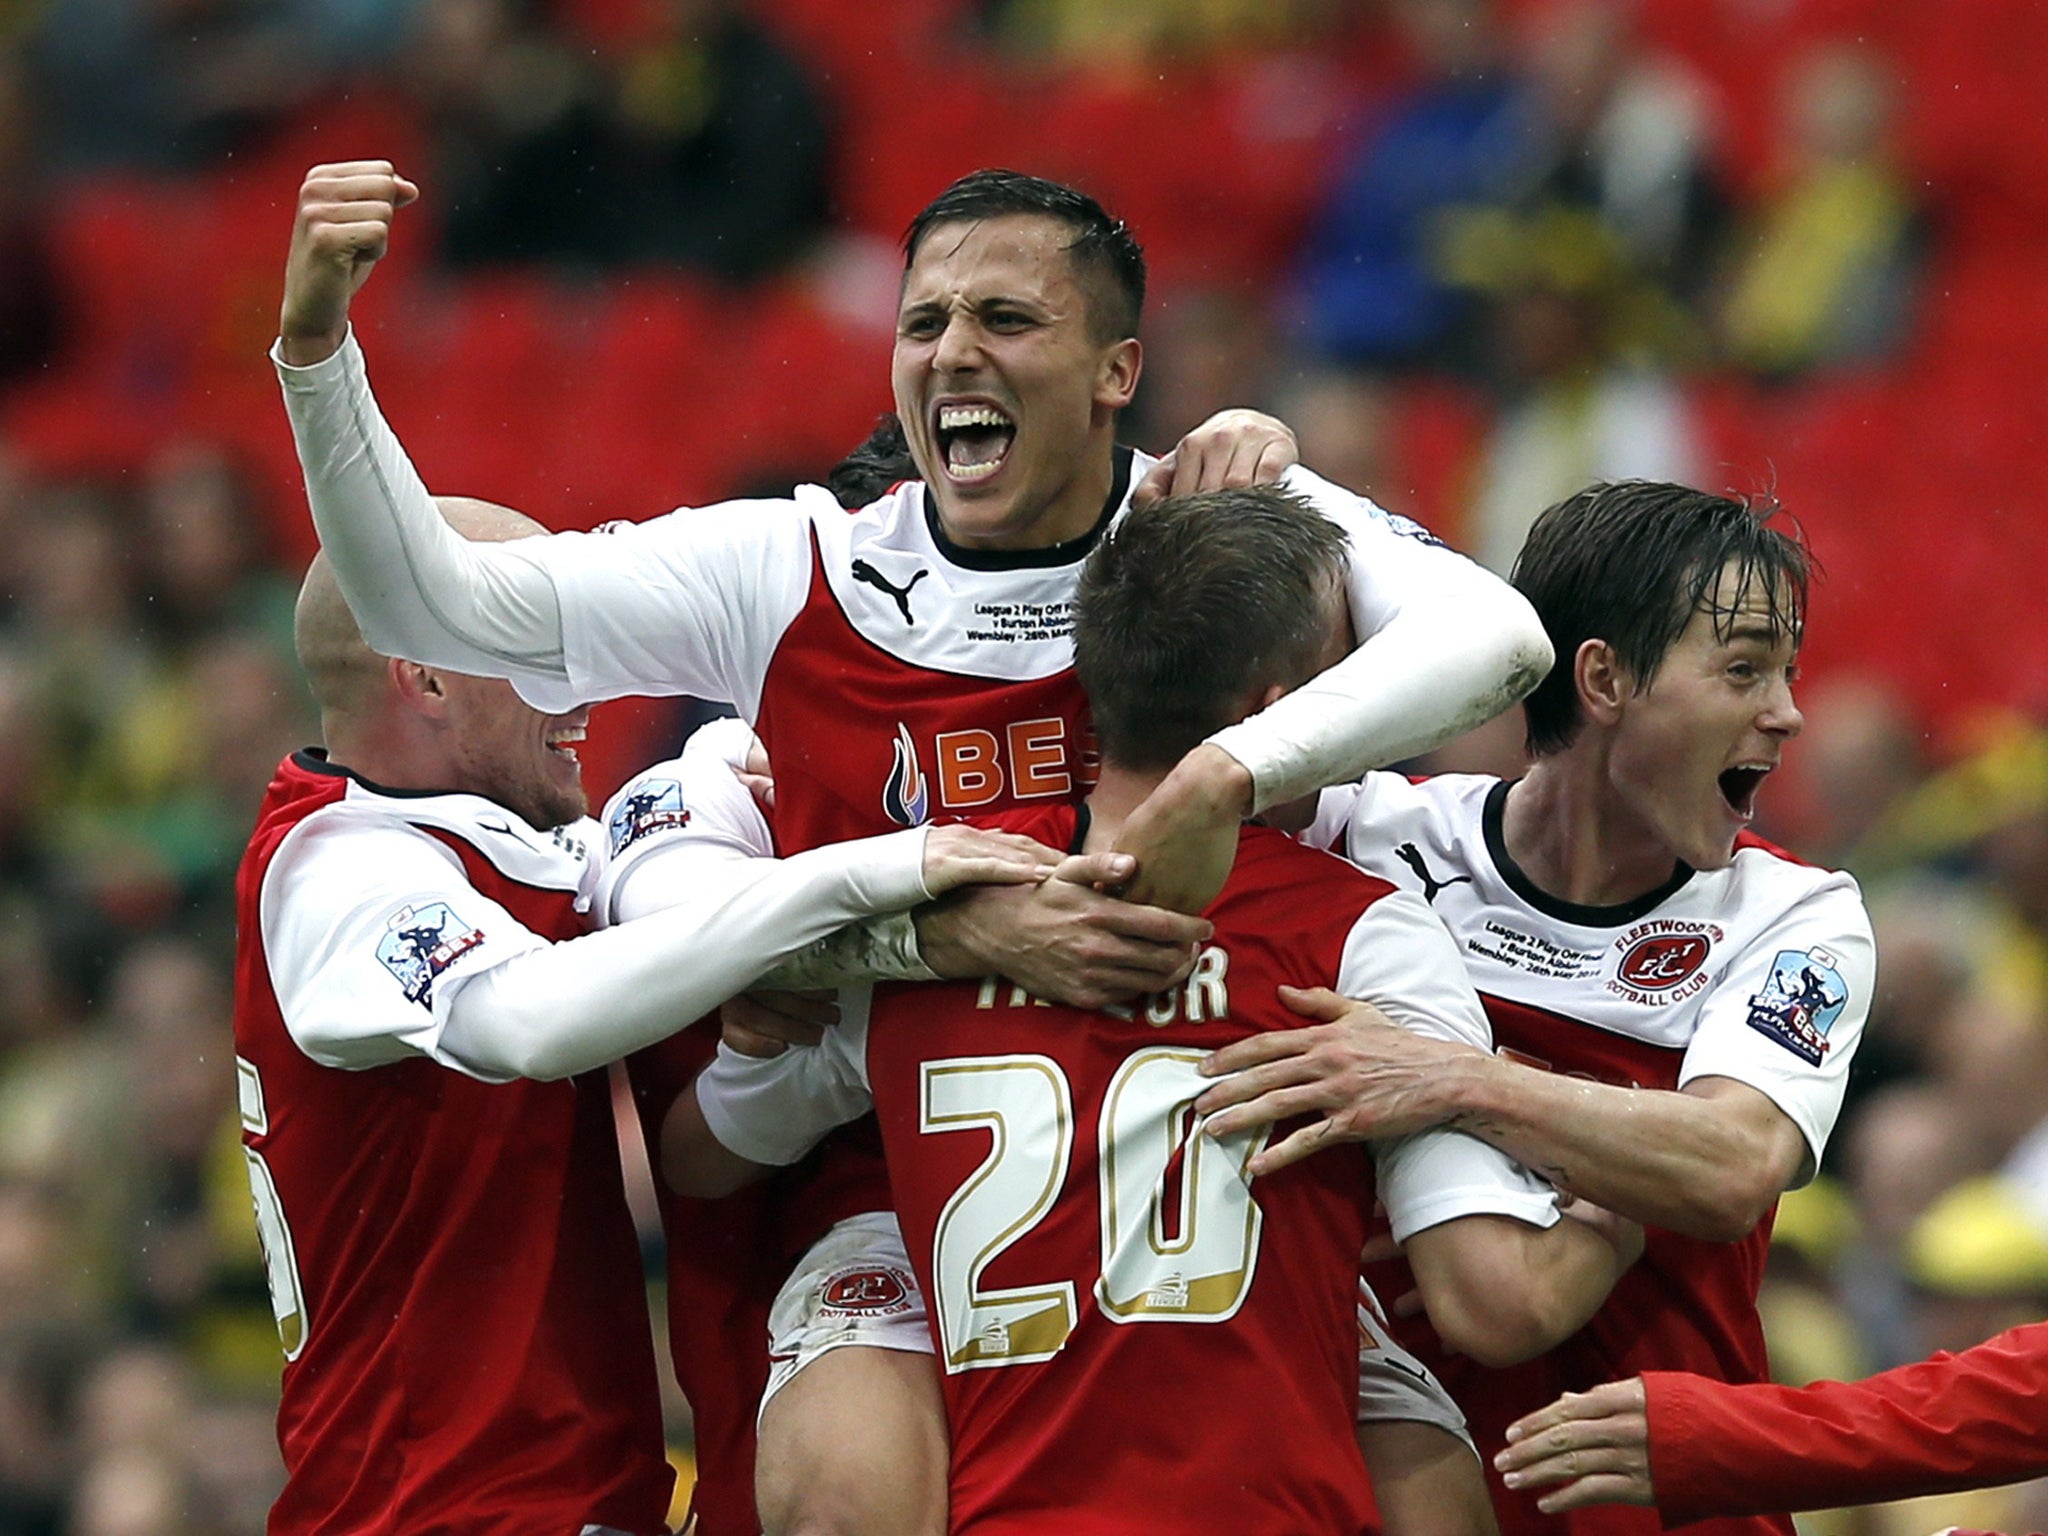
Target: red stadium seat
<point>811,389</point>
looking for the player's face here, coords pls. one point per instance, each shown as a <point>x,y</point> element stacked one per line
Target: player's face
<point>1693,748</point>
<point>510,752</point>
<point>1007,398</point>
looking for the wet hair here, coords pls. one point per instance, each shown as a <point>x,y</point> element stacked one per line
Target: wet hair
<point>1189,606</point>
<point>1630,563</point>
<point>864,476</point>
<point>1106,255</point>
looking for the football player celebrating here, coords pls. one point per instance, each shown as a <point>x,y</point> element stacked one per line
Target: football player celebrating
<point>1111,1292</point>
<point>1675,1000</point>
<point>912,660</point>
<point>455,1276</point>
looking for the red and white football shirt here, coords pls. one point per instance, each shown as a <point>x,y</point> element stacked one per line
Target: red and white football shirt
<point>893,677</point>
<point>1135,1336</point>
<point>455,1274</point>
<point>701,602</point>
<point>1761,972</point>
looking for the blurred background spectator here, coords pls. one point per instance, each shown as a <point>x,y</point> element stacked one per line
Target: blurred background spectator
<point>693,138</point>
<point>1476,251</point>
<point>1373,295</point>
<point>1826,275</point>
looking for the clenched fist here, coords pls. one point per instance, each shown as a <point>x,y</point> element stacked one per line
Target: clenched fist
<point>343,228</point>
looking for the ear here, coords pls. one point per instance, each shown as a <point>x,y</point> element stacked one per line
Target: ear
<point>420,687</point>
<point>1116,379</point>
<point>1604,685</point>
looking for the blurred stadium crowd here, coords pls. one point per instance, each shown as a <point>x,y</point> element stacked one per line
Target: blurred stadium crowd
<point>1475,255</point>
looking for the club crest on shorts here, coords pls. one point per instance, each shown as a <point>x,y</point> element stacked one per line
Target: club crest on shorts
<point>868,1291</point>
<point>1800,1001</point>
<point>656,805</point>
<point>905,798</point>
<point>420,943</point>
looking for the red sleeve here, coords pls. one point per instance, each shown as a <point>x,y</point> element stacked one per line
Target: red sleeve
<point>1953,1422</point>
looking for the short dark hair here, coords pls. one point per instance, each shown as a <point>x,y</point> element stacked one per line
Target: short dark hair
<point>1630,563</point>
<point>1105,253</point>
<point>1190,604</point>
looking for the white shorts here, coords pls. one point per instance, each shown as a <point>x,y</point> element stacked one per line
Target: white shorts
<point>854,1287</point>
<point>1393,1384</point>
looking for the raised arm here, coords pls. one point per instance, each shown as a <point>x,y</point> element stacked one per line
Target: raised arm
<point>689,603</point>
<point>418,589</point>
<point>1443,645</point>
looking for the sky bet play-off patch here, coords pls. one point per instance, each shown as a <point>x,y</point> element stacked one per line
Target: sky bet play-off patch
<point>654,806</point>
<point>420,943</point>
<point>1800,1002</point>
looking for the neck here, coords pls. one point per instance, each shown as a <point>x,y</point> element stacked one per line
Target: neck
<point>1079,506</point>
<point>372,750</point>
<point>1574,839</point>
<point>1068,516</point>
<point>1118,793</point>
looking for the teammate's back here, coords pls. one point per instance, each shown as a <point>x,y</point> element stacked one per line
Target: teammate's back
<point>1132,1337</point>
<point>1129,1338</point>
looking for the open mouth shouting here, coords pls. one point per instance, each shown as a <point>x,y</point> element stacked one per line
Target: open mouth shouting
<point>1739,786</point>
<point>973,439</point>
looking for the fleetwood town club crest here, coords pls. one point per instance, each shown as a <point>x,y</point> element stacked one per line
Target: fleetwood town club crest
<point>655,806</point>
<point>1800,1001</point>
<point>1662,960</point>
<point>880,1290</point>
<point>1654,964</point>
<point>420,943</point>
<point>906,800</point>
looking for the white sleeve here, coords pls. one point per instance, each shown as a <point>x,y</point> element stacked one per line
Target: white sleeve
<point>669,829</point>
<point>1402,960</point>
<point>1444,645</point>
<point>669,826</point>
<point>590,1000</point>
<point>773,1111</point>
<point>692,608</point>
<point>368,925</point>
<point>380,949</point>
<point>1787,1014</point>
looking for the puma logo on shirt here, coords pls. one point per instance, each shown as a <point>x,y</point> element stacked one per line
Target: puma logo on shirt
<point>863,572</point>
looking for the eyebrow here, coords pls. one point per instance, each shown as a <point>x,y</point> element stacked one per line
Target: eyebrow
<point>985,301</point>
<point>1761,632</point>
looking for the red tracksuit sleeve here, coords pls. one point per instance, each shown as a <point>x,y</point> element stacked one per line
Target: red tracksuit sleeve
<point>1969,1420</point>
